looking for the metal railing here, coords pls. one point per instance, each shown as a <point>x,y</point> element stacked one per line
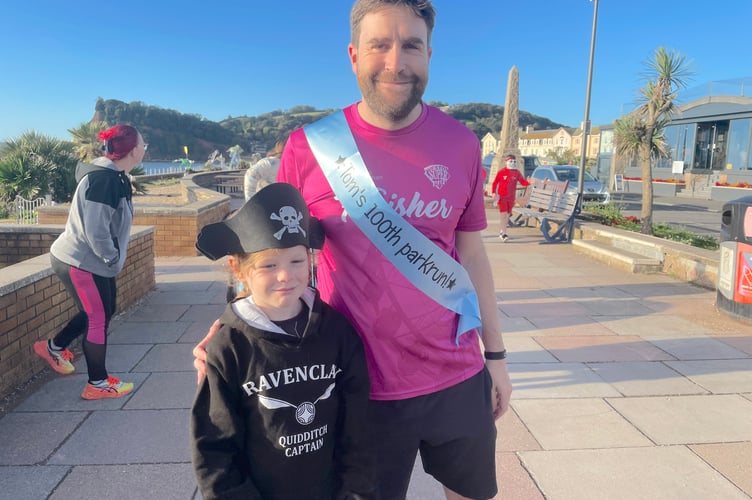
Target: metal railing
<point>26,210</point>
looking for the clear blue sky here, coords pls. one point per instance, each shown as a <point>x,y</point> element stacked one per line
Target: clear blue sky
<point>234,58</point>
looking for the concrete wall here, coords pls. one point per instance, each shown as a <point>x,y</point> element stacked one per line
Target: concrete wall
<point>34,304</point>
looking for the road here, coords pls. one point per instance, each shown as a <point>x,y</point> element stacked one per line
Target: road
<point>695,215</point>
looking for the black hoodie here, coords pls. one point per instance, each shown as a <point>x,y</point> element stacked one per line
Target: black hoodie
<point>282,417</point>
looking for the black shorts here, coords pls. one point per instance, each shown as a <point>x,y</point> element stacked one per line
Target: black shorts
<point>454,431</point>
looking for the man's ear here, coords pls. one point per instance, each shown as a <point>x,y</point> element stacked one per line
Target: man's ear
<point>352,52</point>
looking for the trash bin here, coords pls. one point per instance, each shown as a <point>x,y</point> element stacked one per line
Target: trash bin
<point>734,295</point>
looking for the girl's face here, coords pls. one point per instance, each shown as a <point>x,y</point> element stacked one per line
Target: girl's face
<point>276,279</point>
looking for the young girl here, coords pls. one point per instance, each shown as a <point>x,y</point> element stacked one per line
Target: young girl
<point>281,412</point>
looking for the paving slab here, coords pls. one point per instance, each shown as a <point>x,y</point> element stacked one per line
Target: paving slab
<point>164,391</point>
<point>654,323</point>
<point>743,344</point>
<point>30,482</point>
<point>694,348</point>
<point>128,437</point>
<point>590,349</point>
<point>514,480</point>
<point>645,378</point>
<point>718,376</point>
<point>689,419</point>
<point>196,331</point>
<point>167,358</point>
<point>142,332</point>
<point>512,434</point>
<point>204,312</point>
<point>617,307</point>
<point>30,438</point>
<point>552,308</point>
<point>557,380</point>
<point>733,460</point>
<point>514,327</point>
<point>526,350</point>
<point>160,313</point>
<point>204,297</point>
<point>668,473</point>
<point>591,294</point>
<point>579,424</point>
<point>123,357</point>
<point>157,481</point>
<point>585,324</point>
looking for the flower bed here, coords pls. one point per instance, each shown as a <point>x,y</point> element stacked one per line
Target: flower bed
<point>743,185</point>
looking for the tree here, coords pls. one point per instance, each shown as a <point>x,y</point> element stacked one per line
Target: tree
<point>87,145</point>
<point>640,133</point>
<point>562,156</point>
<point>35,165</point>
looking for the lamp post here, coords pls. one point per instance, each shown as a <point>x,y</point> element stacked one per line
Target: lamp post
<point>586,122</point>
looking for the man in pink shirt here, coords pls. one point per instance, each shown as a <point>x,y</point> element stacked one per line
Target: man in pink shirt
<point>431,390</point>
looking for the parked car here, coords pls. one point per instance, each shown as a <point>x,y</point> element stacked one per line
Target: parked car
<point>530,163</point>
<point>594,191</point>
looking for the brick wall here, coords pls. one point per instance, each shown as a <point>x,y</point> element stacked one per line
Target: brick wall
<point>18,243</point>
<point>34,305</point>
<point>176,227</point>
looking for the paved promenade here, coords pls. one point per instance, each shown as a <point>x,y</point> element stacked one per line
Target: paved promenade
<point>626,387</point>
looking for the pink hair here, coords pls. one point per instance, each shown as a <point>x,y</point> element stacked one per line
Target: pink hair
<point>119,141</point>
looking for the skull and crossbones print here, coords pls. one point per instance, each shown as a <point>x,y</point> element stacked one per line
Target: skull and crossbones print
<point>290,219</point>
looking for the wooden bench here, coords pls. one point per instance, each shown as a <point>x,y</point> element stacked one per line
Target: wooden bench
<point>547,200</point>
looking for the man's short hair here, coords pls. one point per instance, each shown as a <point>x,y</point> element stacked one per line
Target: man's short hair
<point>422,8</point>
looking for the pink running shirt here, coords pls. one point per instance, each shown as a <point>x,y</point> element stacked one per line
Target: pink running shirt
<point>430,173</point>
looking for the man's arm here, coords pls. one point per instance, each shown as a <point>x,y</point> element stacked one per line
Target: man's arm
<point>473,256</point>
<point>199,352</point>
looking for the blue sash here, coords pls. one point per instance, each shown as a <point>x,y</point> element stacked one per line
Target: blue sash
<point>425,265</point>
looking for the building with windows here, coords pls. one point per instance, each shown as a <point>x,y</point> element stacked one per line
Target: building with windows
<point>712,134</point>
<point>541,143</point>
<point>709,140</point>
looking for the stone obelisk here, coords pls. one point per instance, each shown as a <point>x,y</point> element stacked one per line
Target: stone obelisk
<point>510,125</point>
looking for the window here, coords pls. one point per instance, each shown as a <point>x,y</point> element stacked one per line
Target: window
<point>739,144</point>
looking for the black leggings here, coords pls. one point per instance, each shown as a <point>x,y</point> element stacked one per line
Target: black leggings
<point>96,298</point>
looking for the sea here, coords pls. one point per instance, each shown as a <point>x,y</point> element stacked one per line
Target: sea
<point>168,167</point>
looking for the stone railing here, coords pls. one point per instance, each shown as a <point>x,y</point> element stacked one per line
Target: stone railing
<point>34,304</point>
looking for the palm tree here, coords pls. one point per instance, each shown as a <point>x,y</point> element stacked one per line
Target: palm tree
<point>640,133</point>
<point>86,139</point>
<point>35,165</point>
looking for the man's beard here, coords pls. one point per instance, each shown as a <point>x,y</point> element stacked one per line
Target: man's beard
<point>394,112</point>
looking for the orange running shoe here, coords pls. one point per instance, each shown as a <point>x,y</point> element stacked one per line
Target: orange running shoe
<point>60,361</point>
<point>110,388</point>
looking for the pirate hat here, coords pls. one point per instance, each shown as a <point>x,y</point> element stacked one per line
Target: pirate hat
<point>275,217</point>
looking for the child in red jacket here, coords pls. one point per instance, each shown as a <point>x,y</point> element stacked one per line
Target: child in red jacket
<point>504,188</point>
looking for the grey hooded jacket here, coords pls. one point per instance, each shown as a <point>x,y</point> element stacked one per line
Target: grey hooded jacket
<point>99,223</point>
